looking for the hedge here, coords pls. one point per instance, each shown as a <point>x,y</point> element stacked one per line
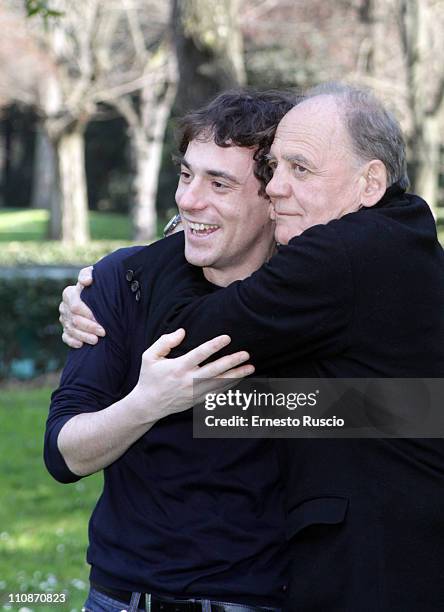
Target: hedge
<point>30,340</point>
<point>55,252</point>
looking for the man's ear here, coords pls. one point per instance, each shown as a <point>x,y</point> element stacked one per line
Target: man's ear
<point>374,183</point>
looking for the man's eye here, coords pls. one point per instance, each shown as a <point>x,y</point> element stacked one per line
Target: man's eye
<point>272,165</point>
<point>185,176</point>
<point>218,185</point>
<point>298,169</point>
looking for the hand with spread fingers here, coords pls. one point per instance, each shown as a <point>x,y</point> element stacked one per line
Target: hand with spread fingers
<point>93,440</point>
<point>166,385</point>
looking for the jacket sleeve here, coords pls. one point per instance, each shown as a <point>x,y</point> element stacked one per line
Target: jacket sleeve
<point>93,376</point>
<point>300,303</point>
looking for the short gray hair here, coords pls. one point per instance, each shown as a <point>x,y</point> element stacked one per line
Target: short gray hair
<point>374,131</point>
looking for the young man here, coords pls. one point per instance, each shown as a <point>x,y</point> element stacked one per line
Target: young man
<point>180,519</point>
<point>357,292</point>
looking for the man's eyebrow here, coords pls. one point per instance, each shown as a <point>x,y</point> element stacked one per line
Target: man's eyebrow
<point>298,159</point>
<point>223,175</point>
<point>179,160</point>
<point>292,158</point>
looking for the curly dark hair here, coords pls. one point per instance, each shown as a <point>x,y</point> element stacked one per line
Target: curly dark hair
<point>242,118</point>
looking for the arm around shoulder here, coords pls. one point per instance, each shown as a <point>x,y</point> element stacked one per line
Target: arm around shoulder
<point>300,303</point>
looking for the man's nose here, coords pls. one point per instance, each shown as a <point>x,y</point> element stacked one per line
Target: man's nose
<point>278,187</point>
<point>192,197</point>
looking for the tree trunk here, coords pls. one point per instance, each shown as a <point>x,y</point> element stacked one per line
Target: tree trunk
<point>428,162</point>
<point>425,139</point>
<point>68,201</point>
<point>7,165</point>
<point>378,56</point>
<point>147,162</point>
<point>209,50</point>
<point>55,207</point>
<point>43,171</point>
<point>3,154</point>
<point>70,224</point>
<point>148,146</point>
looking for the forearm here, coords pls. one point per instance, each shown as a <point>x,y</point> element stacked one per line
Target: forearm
<point>93,440</point>
<point>296,305</point>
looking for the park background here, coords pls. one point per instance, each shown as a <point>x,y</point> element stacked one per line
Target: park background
<point>90,92</point>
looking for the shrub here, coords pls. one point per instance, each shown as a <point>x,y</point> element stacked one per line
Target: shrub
<point>30,342</point>
<point>55,252</point>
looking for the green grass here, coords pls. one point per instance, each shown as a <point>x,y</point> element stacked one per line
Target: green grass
<point>23,238</point>
<point>18,224</point>
<point>109,226</point>
<point>43,524</point>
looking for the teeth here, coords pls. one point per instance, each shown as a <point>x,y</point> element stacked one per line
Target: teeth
<point>202,226</point>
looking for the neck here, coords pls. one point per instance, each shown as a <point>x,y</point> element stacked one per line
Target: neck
<point>226,276</point>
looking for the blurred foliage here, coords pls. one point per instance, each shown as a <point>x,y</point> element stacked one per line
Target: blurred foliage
<point>42,8</point>
<point>18,128</point>
<point>43,533</point>
<point>31,332</point>
<point>109,174</point>
<point>30,341</point>
<point>54,253</point>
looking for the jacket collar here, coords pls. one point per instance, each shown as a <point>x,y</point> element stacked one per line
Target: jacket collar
<point>392,193</point>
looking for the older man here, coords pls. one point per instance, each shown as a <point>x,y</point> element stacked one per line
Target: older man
<point>358,291</point>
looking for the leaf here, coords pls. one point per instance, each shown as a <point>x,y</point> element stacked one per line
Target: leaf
<point>40,7</point>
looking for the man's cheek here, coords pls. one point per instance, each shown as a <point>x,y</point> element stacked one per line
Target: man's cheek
<point>271,212</point>
<point>281,234</point>
<point>178,194</point>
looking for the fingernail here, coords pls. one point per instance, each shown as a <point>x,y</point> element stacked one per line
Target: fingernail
<point>100,331</point>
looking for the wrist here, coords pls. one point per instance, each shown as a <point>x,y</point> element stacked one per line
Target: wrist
<point>138,407</point>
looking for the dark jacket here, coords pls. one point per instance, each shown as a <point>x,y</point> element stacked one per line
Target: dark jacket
<point>362,296</point>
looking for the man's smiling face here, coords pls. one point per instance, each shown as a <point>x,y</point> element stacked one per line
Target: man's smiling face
<point>227,226</point>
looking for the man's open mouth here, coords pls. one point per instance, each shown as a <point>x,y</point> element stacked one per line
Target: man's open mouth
<point>202,229</point>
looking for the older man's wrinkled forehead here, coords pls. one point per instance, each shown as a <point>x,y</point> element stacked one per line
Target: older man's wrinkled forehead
<point>317,124</point>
